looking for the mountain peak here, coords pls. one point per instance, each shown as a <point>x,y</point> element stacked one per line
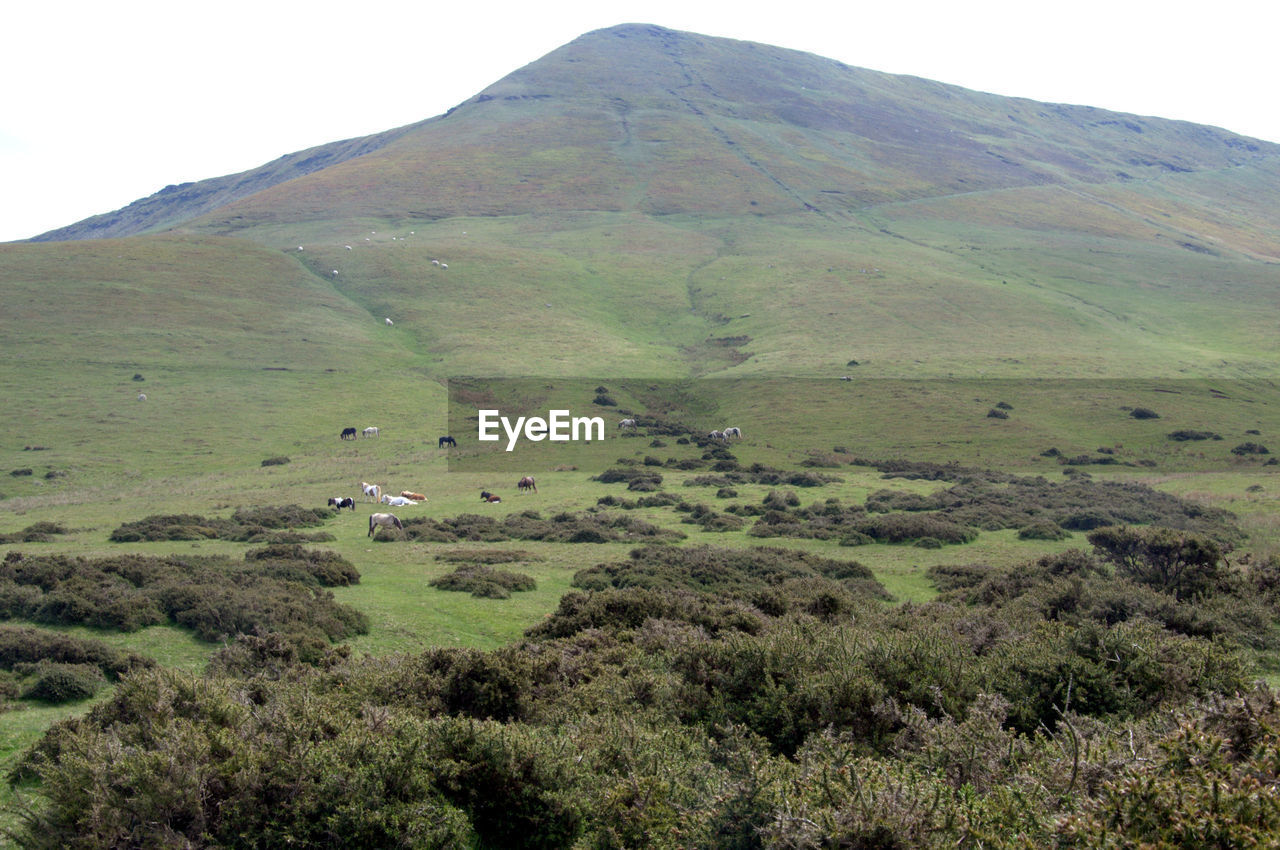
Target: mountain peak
<point>658,121</point>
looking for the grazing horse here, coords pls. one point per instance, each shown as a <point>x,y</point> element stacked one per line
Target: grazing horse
<point>447,441</point>
<point>716,435</point>
<point>732,432</point>
<point>627,423</point>
<point>486,496</point>
<point>372,492</point>
<point>385,521</point>
<point>371,431</point>
<point>340,502</point>
<point>526,483</point>
<point>348,434</point>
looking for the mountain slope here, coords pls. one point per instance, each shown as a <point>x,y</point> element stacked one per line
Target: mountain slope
<point>641,118</point>
<point>644,201</point>
<point>173,205</point>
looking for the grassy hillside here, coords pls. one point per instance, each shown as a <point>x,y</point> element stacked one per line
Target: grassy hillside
<point>854,268</point>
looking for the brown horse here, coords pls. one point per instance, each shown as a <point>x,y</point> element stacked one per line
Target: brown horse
<point>527,483</point>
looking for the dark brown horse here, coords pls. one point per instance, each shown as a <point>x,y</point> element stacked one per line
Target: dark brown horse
<point>526,483</point>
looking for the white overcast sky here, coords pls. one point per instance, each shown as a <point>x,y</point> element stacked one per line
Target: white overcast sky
<point>107,102</point>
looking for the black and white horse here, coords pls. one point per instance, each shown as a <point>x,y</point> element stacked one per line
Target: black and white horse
<point>340,502</point>
<point>447,441</point>
<point>377,521</point>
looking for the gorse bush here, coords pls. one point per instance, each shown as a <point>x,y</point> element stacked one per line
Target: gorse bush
<point>484,581</point>
<point>57,683</point>
<point>252,525</point>
<point>275,589</point>
<point>38,532</point>
<point>25,645</point>
<point>530,525</point>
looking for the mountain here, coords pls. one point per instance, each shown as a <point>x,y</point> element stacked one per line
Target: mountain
<point>650,203</point>
<point>642,119</point>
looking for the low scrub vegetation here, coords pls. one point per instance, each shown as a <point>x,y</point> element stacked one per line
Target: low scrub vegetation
<point>247,525</point>
<point>684,695</point>
<point>274,589</point>
<point>485,582</point>
<point>698,696</point>
<point>530,525</point>
<point>38,532</point>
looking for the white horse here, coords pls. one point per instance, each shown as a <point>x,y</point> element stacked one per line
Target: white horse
<point>396,501</point>
<point>371,431</point>
<point>732,432</point>
<point>385,521</point>
<point>627,423</point>
<point>372,492</point>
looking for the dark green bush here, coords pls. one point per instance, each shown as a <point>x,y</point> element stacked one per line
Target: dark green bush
<point>1182,435</point>
<point>278,460</point>
<point>483,581</point>
<point>1143,413</point>
<point>1181,564</point>
<point>1250,449</point>
<point>57,683</point>
<point>1042,530</point>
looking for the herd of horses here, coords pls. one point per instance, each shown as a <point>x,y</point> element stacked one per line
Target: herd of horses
<point>733,432</point>
<point>373,492</point>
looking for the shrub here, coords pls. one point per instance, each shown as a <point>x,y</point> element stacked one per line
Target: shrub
<point>482,581</point>
<point>1143,413</point>
<point>1180,564</point>
<point>1185,434</point>
<point>57,683</point>
<point>291,560</point>
<point>903,528</point>
<point>25,645</point>
<point>995,413</point>
<point>278,460</point>
<point>1042,530</point>
<point>1250,449</point>
<point>37,532</point>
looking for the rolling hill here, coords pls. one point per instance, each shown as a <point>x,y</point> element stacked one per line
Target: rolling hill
<point>650,203</point>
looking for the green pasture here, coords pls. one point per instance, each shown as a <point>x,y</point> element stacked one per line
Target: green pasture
<point>251,350</point>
